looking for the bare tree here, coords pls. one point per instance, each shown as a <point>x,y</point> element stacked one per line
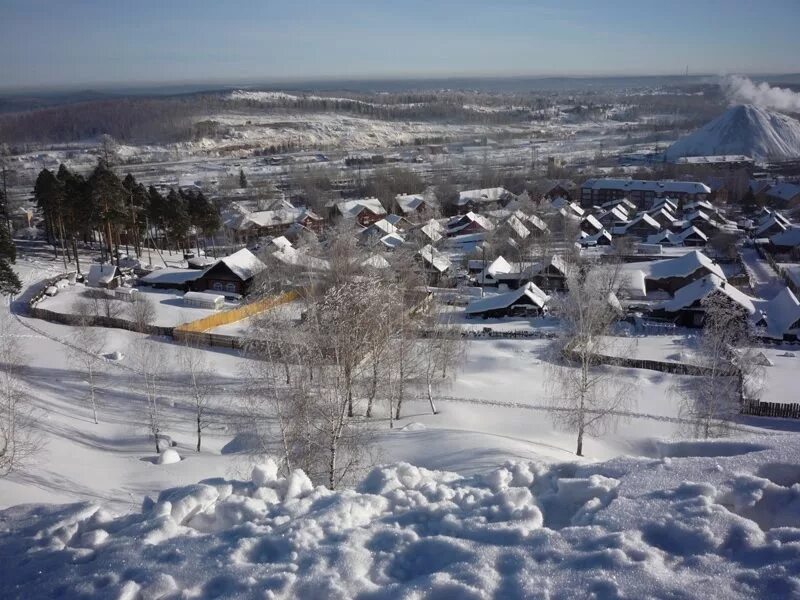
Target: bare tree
<point>18,440</point>
<point>86,349</point>
<point>150,362</point>
<point>103,303</point>
<point>201,384</point>
<point>712,400</point>
<point>587,395</point>
<point>142,312</point>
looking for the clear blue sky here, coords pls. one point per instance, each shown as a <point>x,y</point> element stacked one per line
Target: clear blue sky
<point>80,42</point>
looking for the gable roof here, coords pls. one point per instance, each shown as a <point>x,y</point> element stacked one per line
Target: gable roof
<point>659,187</point>
<point>434,258</point>
<point>392,240</point>
<point>352,208</point>
<point>683,266</point>
<point>784,191</point>
<point>768,223</point>
<point>518,227</point>
<point>592,220</point>
<point>780,313</point>
<point>700,288</point>
<point>500,301</point>
<point>460,222</point>
<point>643,218</point>
<point>101,273</point>
<point>790,237</point>
<point>409,203</point>
<point>243,263</point>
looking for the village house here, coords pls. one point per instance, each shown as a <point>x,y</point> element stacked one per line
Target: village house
<point>436,265</point>
<point>468,224</point>
<point>527,301</point>
<point>365,211</point>
<point>105,276</point>
<point>686,307</point>
<point>672,274</point>
<point>483,199</point>
<point>786,242</point>
<point>232,275</point>
<point>643,226</point>
<point>415,207</point>
<point>689,237</point>
<point>779,318</point>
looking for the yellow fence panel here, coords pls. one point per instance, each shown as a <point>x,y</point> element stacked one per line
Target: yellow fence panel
<point>236,314</point>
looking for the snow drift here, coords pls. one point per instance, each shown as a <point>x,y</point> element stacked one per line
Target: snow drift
<point>746,129</point>
<point>705,519</point>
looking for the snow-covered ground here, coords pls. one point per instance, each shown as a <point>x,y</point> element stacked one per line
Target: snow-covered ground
<point>686,520</point>
<point>169,307</point>
<point>720,514</point>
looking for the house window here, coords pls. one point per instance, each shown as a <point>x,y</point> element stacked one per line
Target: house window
<point>217,286</point>
<point>230,287</point>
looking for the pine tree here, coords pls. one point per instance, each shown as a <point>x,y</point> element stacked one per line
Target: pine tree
<point>242,179</point>
<point>9,282</point>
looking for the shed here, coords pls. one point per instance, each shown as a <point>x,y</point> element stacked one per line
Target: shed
<point>103,276</point>
<point>126,294</point>
<point>203,300</point>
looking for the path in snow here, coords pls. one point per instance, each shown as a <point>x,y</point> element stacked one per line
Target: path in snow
<point>766,282</point>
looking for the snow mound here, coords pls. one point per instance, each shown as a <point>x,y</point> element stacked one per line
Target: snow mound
<point>413,427</point>
<point>746,130</point>
<point>703,523</point>
<point>168,457</point>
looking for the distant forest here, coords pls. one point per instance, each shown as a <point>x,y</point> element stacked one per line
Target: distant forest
<point>177,118</point>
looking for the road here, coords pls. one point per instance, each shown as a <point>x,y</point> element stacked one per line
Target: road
<point>766,282</point>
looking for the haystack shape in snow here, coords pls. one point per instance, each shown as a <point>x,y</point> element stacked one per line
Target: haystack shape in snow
<point>528,300</point>
<point>745,129</point>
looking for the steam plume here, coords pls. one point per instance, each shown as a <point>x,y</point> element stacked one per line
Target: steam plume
<point>742,90</point>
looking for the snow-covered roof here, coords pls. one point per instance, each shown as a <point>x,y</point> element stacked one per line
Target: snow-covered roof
<point>352,208</point>
<point>380,227</point>
<point>784,191</point>
<point>101,274</point>
<point>171,276</point>
<point>676,238</point>
<point>397,220</point>
<point>501,301</point>
<point>594,240</point>
<point>781,313</point>
<point>659,187</point>
<point>617,213</point>
<point>204,297</point>
<point>537,223</point>
<point>643,218</point>
<point>297,258</point>
<point>592,220</point>
<point>698,205</point>
<point>409,203</point>
<point>497,267</point>
<point>482,195</point>
<point>268,218</point>
<point>243,263</point>
<point>460,222</point>
<point>392,240</point>
<point>769,223</point>
<point>662,212</point>
<point>434,258</point>
<point>667,203</point>
<point>280,242</point>
<point>376,261</point>
<point>623,202</point>
<point>518,227</point>
<point>565,205</point>
<point>700,288</point>
<point>432,230</point>
<point>789,237</point>
<point>683,266</point>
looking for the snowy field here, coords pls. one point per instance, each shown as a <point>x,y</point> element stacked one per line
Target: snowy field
<point>642,506</point>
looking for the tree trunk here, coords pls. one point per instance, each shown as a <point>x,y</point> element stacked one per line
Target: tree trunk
<point>430,397</point>
<point>199,431</point>
<point>91,394</point>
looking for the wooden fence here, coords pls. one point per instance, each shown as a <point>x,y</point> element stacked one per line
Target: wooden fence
<point>237,314</point>
<point>771,409</point>
<point>96,321</point>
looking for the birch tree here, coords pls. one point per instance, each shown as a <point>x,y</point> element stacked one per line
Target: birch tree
<point>150,363</point>
<point>587,396</point>
<point>18,438</point>
<point>200,388</point>
<point>86,349</point>
<point>711,401</point>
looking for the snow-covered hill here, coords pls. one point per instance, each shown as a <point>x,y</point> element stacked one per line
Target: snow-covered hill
<point>745,129</point>
<point>689,520</point>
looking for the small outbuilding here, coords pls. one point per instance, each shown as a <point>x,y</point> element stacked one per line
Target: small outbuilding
<point>203,300</point>
<point>126,294</point>
<point>103,276</point>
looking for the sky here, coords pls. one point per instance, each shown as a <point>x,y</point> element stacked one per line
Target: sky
<point>75,43</point>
